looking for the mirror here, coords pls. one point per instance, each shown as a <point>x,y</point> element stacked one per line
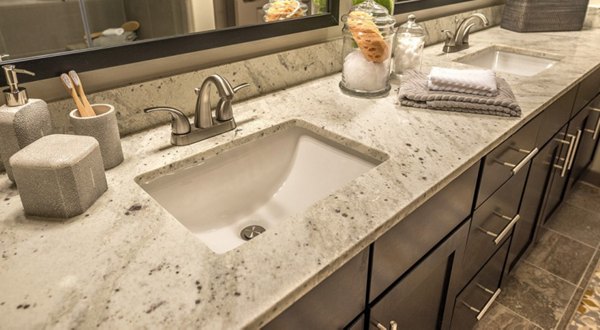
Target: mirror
<point>407,6</point>
<point>137,30</point>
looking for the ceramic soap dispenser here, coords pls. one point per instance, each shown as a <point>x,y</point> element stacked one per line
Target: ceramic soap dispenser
<point>22,120</point>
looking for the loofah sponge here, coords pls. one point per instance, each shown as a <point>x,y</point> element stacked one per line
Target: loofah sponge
<point>367,36</point>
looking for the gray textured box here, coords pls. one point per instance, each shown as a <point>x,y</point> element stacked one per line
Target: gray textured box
<point>59,176</point>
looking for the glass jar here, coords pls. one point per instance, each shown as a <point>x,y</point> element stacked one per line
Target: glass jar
<point>408,48</point>
<point>366,54</point>
<point>279,10</point>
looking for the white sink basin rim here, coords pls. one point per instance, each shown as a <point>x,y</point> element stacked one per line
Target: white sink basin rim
<point>258,183</point>
<point>510,60</point>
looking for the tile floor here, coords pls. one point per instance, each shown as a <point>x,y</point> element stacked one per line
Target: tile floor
<point>545,290</point>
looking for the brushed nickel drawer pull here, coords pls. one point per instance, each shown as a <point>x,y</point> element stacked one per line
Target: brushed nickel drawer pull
<point>596,131</point>
<point>577,140</point>
<point>517,167</point>
<point>571,143</point>
<point>499,237</point>
<point>488,304</point>
<point>393,325</point>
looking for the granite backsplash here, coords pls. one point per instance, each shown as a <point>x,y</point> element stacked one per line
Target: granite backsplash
<point>266,74</point>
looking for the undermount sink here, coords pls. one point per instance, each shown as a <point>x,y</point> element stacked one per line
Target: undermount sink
<point>510,60</point>
<point>255,185</point>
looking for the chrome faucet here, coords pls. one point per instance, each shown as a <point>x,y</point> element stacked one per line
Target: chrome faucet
<point>205,125</point>
<point>459,40</point>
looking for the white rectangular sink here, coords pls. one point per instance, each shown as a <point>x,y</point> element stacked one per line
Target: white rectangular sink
<point>258,183</point>
<point>519,62</point>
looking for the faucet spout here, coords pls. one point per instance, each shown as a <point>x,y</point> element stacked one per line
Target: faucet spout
<point>204,118</point>
<point>460,39</point>
<point>464,28</point>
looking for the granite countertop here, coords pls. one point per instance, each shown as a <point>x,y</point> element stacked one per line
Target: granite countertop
<point>127,262</point>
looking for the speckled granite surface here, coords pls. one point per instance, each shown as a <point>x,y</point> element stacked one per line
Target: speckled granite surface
<point>128,262</point>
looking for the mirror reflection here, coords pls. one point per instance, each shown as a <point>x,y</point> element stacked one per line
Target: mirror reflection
<point>38,27</point>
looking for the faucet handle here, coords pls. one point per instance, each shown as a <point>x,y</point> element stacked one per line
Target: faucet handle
<point>238,87</point>
<point>448,34</point>
<point>180,124</point>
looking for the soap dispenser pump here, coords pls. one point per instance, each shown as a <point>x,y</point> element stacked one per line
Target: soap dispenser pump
<point>22,120</point>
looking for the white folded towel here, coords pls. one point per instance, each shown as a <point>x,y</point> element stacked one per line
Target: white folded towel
<point>473,81</point>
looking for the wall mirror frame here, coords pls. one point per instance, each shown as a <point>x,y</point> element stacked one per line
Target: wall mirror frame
<point>407,6</point>
<point>52,65</point>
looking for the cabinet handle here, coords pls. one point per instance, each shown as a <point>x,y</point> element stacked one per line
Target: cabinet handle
<point>499,237</point>
<point>517,167</point>
<point>393,325</point>
<point>577,140</point>
<point>488,304</point>
<point>596,131</point>
<point>564,168</point>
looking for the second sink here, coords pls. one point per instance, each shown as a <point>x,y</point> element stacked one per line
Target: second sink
<point>232,195</point>
<point>510,60</point>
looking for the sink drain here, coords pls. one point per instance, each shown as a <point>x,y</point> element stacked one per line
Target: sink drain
<point>250,232</point>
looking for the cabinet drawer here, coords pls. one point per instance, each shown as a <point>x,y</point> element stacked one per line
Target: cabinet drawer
<point>402,246</point>
<point>508,159</point>
<point>555,116</point>
<point>477,297</point>
<point>492,224</point>
<point>588,89</point>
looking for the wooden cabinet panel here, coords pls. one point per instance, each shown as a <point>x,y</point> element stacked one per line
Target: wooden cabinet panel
<point>508,159</point>
<point>474,301</point>
<point>401,247</point>
<point>423,298</point>
<point>588,89</point>
<point>555,116</point>
<point>589,137</point>
<point>493,223</point>
<point>538,179</point>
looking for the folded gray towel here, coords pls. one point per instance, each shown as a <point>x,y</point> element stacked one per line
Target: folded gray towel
<point>414,93</point>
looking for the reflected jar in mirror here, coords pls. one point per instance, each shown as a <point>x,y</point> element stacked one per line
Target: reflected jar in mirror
<point>408,47</point>
<point>279,10</point>
<point>366,54</point>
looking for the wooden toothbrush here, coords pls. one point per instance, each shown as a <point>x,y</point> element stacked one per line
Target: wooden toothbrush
<point>68,83</point>
<point>79,87</point>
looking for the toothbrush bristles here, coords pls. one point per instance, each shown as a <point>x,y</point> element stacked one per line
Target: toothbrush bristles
<point>74,77</point>
<point>66,80</point>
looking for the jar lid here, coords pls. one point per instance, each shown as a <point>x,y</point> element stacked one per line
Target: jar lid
<point>411,27</point>
<point>373,12</point>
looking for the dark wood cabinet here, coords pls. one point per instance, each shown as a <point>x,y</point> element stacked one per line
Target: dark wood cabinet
<point>539,176</point>
<point>479,295</point>
<point>422,298</point>
<point>589,134</point>
<point>492,225</point>
<point>417,234</point>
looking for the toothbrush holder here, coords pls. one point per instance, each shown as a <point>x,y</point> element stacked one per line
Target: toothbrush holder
<point>104,128</point>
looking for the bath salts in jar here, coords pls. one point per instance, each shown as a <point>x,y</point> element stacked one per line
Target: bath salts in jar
<point>366,54</point>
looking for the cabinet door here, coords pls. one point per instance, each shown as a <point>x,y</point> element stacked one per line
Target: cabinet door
<point>479,295</point>
<point>590,134</point>
<point>560,173</point>
<point>538,179</point>
<point>423,297</point>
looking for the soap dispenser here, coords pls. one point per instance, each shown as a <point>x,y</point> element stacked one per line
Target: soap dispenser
<point>22,120</point>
